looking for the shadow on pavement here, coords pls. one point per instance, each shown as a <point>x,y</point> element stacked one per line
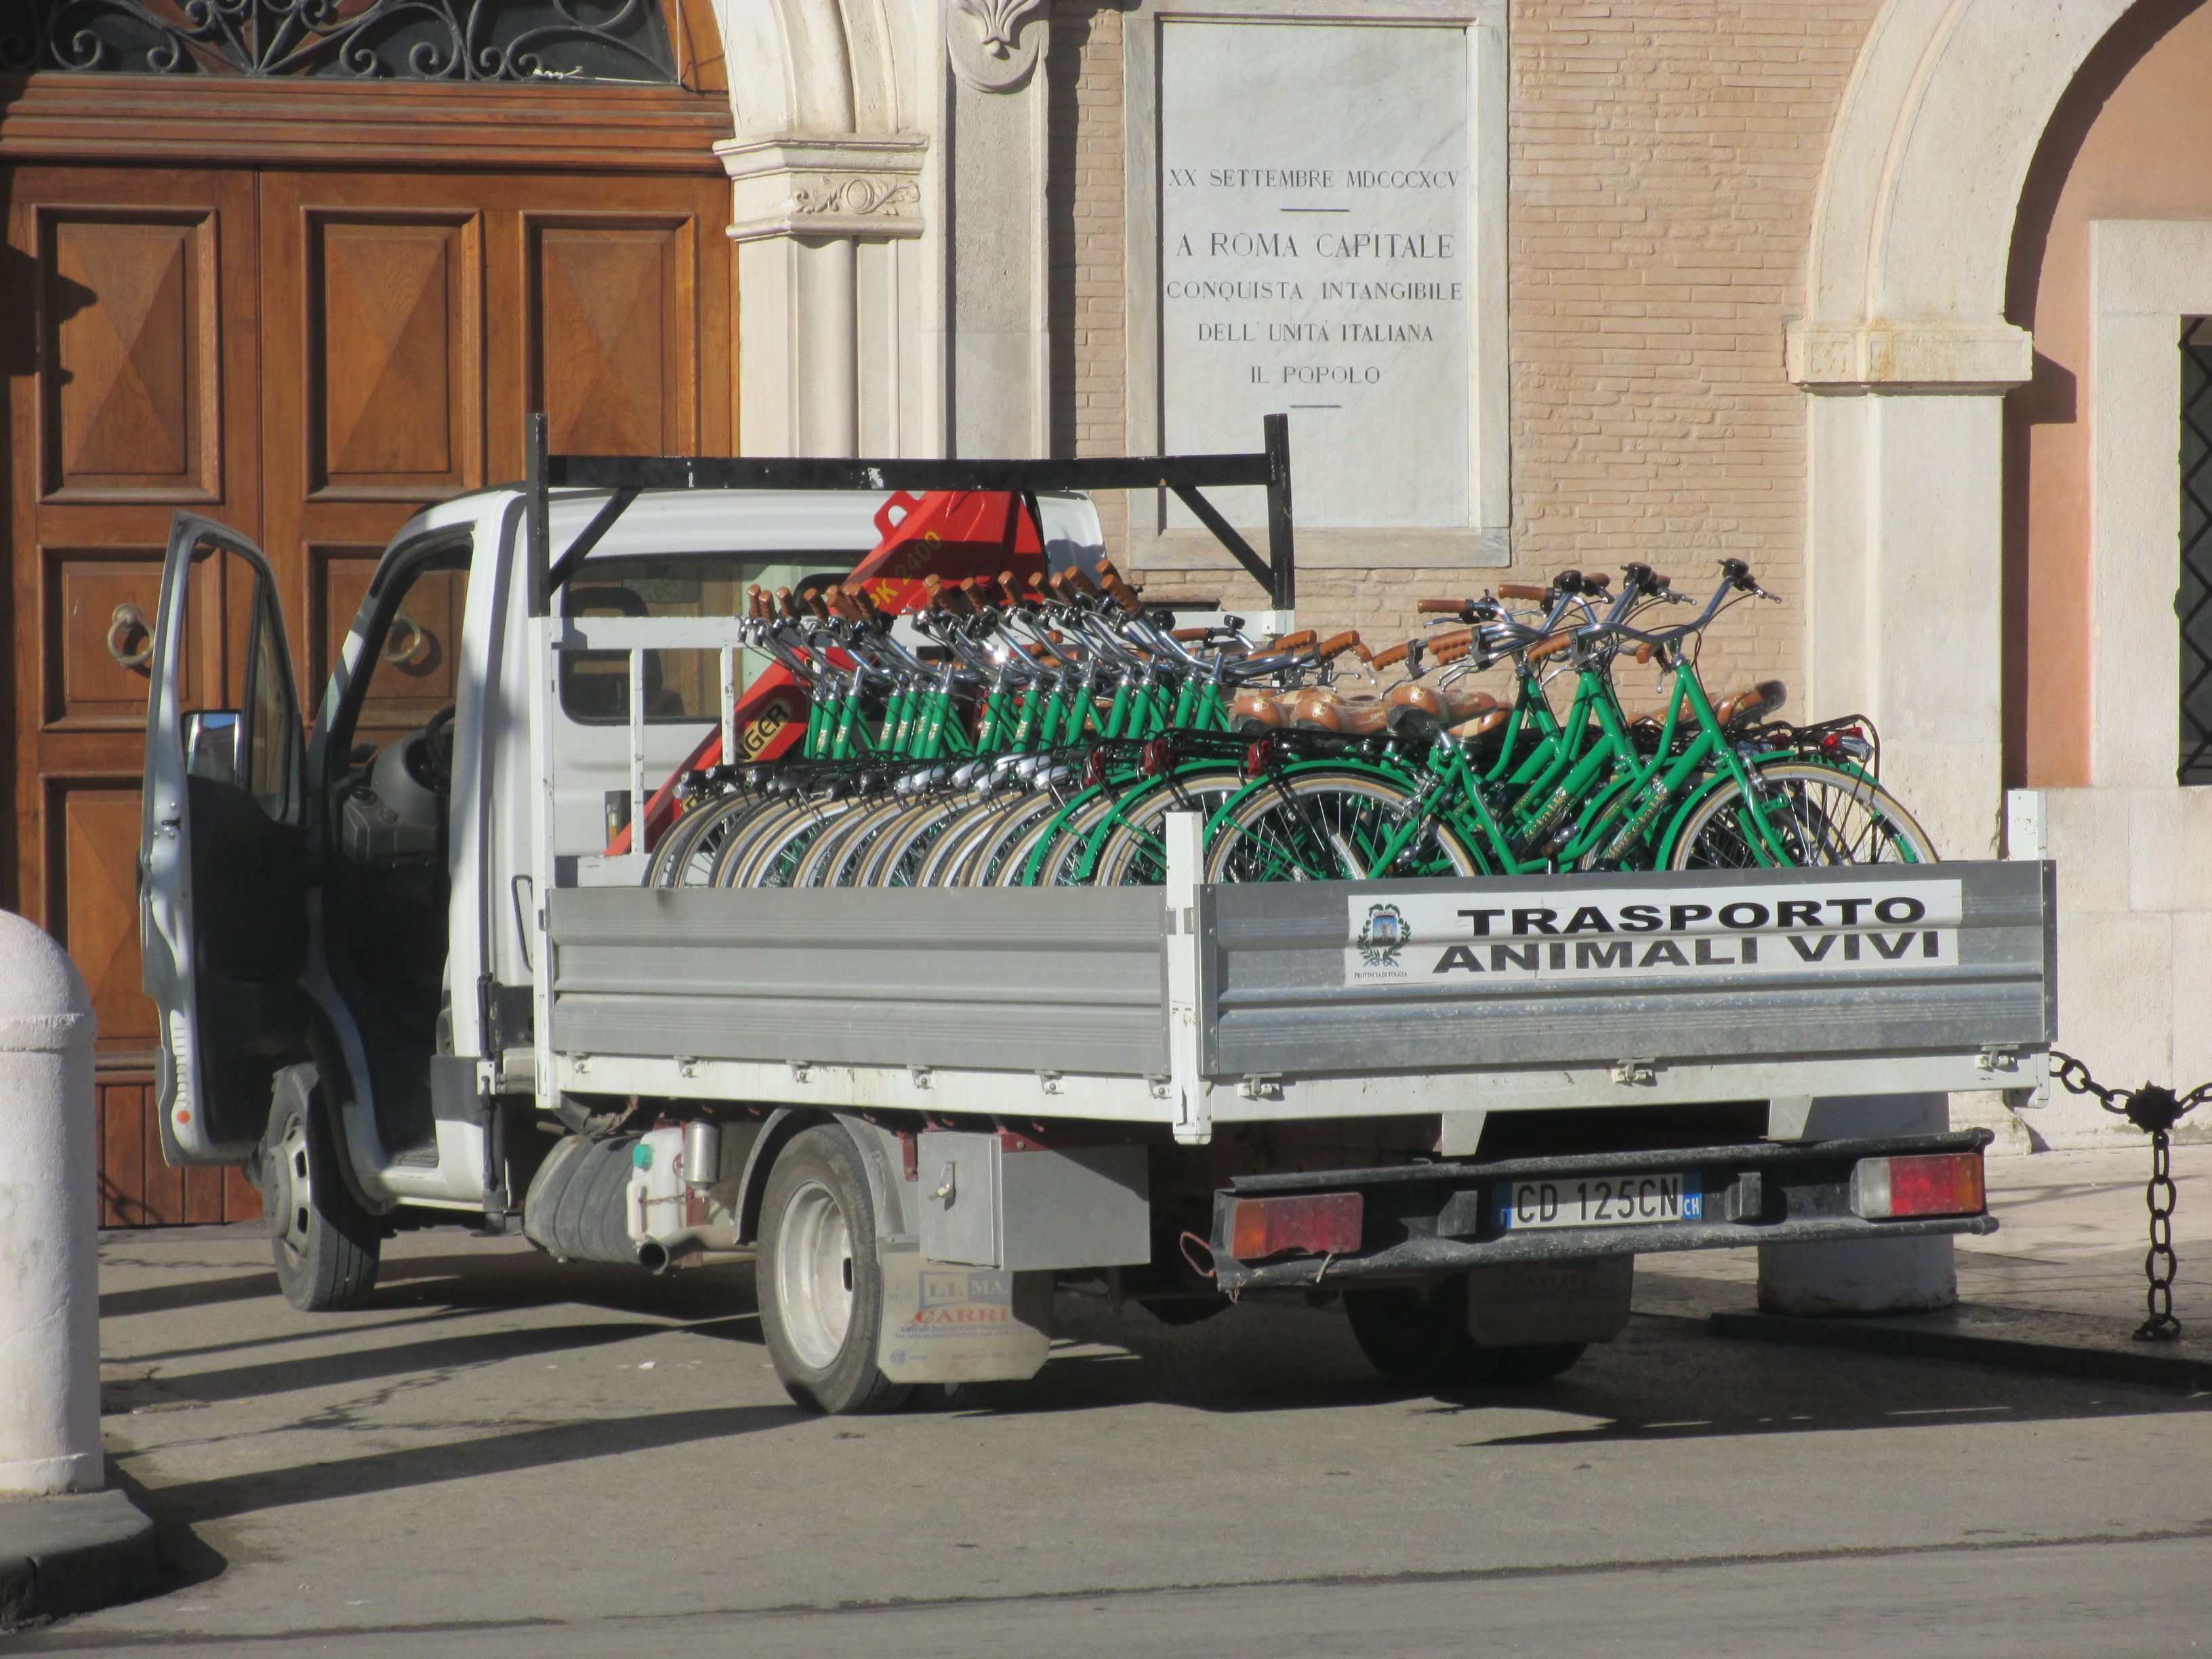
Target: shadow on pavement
<point>194,1502</point>
<point>432,1358</point>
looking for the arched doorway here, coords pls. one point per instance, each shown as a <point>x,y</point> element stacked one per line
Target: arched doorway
<point>304,278</point>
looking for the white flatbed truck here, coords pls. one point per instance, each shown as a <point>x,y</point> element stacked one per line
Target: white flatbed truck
<point>403,982</point>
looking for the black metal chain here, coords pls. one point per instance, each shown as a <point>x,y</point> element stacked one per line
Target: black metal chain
<point>2155,1110</point>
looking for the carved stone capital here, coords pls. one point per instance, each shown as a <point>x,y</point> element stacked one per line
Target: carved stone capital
<point>1989,354</point>
<point>994,45</point>
<point>843,186</point>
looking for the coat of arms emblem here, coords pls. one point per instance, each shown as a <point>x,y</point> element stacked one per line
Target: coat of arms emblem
<point>1382,936</point>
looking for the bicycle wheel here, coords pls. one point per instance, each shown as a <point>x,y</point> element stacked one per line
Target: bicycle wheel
<point>1130,850</point>
<point>768,856</point>
<point>947,862</point>
<point>830,856</point>
<point>1050,855</point>
<point>1822,814</point>
<point>895,855</point>
<point>1328,826</point>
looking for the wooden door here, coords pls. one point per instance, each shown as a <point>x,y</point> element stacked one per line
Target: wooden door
<point>310,357</point>
<point>411,324</point>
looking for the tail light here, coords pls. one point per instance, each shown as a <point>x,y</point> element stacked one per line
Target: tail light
<point>1259,758</point>
<point>1939,1183</point>
<point>1850,744</point>
<point>1094,768</point>
<point>1319,1224</point>
<point>1159,758</point>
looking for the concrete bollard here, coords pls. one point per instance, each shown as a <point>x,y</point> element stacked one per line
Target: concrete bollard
<point>49,1198</point>
<point>1878,1275</point>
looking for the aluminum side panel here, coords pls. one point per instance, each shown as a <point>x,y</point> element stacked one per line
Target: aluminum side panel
<point>1279,1003</point>
<point>1018,980</point>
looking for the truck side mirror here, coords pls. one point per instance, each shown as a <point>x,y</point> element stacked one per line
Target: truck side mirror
<point>212,744</point>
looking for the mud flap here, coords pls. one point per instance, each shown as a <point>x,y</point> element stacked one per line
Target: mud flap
<point>1515,1304</point>
<point>950,1324</point>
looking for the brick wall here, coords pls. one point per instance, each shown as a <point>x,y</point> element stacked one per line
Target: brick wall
<point>1089,409</point>
<point>1664,157</point>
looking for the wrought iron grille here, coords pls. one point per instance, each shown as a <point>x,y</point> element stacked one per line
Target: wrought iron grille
<point>364,39</point>
<point>2192,603</point>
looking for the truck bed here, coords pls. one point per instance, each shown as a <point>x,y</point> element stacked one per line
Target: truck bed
<point>1199,1005</point>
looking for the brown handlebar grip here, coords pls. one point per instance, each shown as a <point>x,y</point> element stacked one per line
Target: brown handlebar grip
<point>1080,584</point>
<point>1117,590</point>
<point>1660,584</point>
<point>1298,641</point>
<point>857,596</point>
<point>1187,634</point>
<point>1551,648</point>
<point>1337,644</point>
<point>1643,652</point>
<point>1390,656</point>
<point>1451,648</point>
<point>1439,607</point>
<point>812,599</point>
<point>1521,590</point>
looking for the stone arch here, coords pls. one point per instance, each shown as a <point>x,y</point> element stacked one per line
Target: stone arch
<point>1906,267</point>
<point>1906,351</point>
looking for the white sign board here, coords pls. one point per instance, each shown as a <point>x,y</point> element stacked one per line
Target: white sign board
<point>1317,257</point>
<point>1579,934</point>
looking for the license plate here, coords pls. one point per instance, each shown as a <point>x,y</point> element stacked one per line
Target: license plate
<point>1622,1200</point>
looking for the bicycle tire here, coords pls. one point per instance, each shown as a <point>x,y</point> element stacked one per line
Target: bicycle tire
<point>948,858</point>
<point>740,861</point>
<point>1836,815</point>
<point>1316,825</point>
<point>1128,852</point>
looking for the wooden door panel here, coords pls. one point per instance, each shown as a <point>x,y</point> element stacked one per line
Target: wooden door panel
<point>393,366</point>
<point>94,877</point>
<point>100,606</point>
<point>131,342</point>
<point>613,337</point>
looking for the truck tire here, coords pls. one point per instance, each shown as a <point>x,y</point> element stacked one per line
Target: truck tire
<point>326,1244</point>
<point>821,1287</point>
<point>1416,1335</point>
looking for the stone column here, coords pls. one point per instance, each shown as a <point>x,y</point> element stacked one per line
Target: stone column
<point>998,299</point>
<point>1904,624</point>
<point>820,223</point>
<point>49,1209</point>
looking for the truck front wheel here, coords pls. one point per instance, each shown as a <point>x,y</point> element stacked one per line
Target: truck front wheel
<point>820,1284</point>
<point>326,1244</point>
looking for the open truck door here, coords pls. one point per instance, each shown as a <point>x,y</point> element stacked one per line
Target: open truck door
<point>222,852</point>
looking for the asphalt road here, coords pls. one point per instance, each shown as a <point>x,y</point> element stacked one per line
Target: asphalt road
<point>502,1456</point>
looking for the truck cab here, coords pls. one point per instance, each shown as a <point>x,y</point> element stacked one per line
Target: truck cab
<point>333,912</point>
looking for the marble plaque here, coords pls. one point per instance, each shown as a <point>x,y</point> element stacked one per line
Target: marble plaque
<point>1316,191</point>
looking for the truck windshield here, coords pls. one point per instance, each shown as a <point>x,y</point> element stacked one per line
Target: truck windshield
<point>680,686</point>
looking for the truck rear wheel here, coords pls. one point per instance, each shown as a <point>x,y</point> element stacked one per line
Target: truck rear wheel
<point>821,1287</point>
<point>1416,1335</point>
<point>326,1244</point>
<point>1538,1362</point>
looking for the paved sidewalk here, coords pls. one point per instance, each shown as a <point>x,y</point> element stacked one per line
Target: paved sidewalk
<point>2059,1287</point>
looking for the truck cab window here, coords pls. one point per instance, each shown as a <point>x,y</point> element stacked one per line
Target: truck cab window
<point>680,686</point>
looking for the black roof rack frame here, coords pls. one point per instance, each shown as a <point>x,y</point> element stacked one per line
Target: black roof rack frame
<point>1189,476</point>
